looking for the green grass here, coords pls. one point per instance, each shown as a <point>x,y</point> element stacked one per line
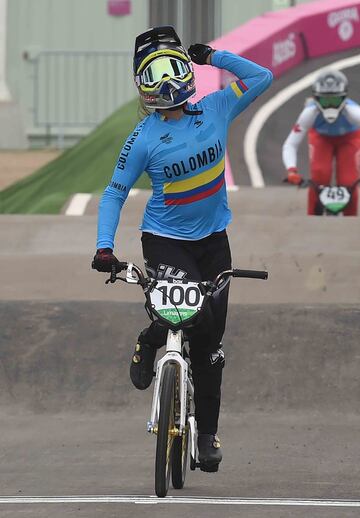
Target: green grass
<point>87,167</point>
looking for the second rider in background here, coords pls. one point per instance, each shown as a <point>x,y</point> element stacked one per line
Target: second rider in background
<point>332,122</point>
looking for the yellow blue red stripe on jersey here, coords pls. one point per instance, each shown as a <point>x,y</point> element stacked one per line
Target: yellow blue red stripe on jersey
<point>239,87</point>
<point>196,188</point>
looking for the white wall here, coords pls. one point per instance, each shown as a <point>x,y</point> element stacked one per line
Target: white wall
<point>39,25</point>
<point>4,92</point>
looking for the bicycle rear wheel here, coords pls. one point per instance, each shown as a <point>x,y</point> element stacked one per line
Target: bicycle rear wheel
<point>165,435</point>
<point>179,460</point>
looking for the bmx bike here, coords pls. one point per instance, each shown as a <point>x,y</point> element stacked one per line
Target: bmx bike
<point>332,200</point>
<point>177,304</point>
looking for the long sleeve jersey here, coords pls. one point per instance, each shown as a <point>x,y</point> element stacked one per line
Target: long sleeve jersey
<point>311,117</point>
<point>185,160</point>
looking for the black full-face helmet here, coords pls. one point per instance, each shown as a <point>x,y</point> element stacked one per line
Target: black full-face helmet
<point>163,70</point>
<point>330,90</point>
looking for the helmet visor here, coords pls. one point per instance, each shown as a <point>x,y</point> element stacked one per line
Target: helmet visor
<point>331,101</point>
<point>164,68</point>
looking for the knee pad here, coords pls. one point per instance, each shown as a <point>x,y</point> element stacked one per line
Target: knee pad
<point>207,376</point>
<point>217,358</point>
<point>205,361</point>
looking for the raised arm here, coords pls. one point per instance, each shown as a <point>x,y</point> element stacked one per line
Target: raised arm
<point>131,163</point>
<point>252,81</point>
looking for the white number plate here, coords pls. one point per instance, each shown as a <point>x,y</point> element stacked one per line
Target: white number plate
<point>335,198</point>
<point>176,301</point>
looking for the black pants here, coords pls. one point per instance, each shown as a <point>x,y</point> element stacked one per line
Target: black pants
<point>196,260</point>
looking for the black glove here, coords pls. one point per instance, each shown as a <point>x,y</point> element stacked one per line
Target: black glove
<point>199,53</point>
<point>103,260</point>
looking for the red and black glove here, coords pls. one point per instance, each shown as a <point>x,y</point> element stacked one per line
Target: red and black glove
<point>294,177</point>
<point>103,260</point>
<point>199,53</point>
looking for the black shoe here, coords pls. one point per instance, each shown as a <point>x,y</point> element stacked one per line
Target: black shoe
<point>142,366</point>
<point>210,454</point>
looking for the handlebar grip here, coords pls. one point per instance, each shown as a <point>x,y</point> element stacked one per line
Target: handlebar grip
<point>250,274</point>
<point>116,268</point>
<point>120,266</point>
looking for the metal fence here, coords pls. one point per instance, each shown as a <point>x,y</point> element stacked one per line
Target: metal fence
<point>79,89</point>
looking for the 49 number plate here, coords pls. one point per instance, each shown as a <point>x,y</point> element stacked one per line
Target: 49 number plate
<point>334,198</point>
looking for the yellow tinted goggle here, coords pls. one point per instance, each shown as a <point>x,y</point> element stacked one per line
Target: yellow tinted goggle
<point>163,68</point>
<point>158,53</point>
<point>156,85</point>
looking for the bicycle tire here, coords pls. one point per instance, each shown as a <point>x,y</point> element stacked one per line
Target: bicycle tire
<point>164,443</point>
<point>179,460</point>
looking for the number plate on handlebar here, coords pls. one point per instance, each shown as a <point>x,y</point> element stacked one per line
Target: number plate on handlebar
<point>334,199</point>
<point>176,301</point>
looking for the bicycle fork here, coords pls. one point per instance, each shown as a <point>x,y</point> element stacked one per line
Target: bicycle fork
<point>173,355</point>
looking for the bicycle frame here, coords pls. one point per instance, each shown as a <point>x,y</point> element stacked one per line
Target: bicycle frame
<point>172,355</point>
<point>321,208</point>
<point>174,348</point>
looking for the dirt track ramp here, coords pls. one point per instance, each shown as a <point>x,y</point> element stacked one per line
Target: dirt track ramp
<point>75,355</point>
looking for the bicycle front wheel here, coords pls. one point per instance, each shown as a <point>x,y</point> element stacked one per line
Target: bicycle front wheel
<point>165,432</point>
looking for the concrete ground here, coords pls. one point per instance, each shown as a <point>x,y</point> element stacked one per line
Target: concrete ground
<point>277,455</point>
<point>73,425</point>
<point>310,259</point>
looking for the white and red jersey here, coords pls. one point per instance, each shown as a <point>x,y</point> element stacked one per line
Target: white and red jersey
<point>311,117</point>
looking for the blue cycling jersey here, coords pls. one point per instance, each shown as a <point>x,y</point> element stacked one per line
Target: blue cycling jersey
<point>185,160</point>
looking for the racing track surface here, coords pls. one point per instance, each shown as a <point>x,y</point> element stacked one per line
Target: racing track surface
<point>279,124</point>
<point>71,423</point>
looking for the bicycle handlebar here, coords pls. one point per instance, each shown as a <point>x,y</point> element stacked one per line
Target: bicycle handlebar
<point>250,274</point>
<point>143,281</point>
<point>120,266</point>
<point>308,182</point>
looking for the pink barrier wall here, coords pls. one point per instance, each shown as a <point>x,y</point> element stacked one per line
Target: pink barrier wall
<point>334,31</point>
<point>281,40</point>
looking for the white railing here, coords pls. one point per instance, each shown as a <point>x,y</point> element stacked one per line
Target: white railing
<point>79,89</point>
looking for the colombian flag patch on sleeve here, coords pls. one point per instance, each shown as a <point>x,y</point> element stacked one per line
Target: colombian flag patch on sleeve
<point>239,87</point>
